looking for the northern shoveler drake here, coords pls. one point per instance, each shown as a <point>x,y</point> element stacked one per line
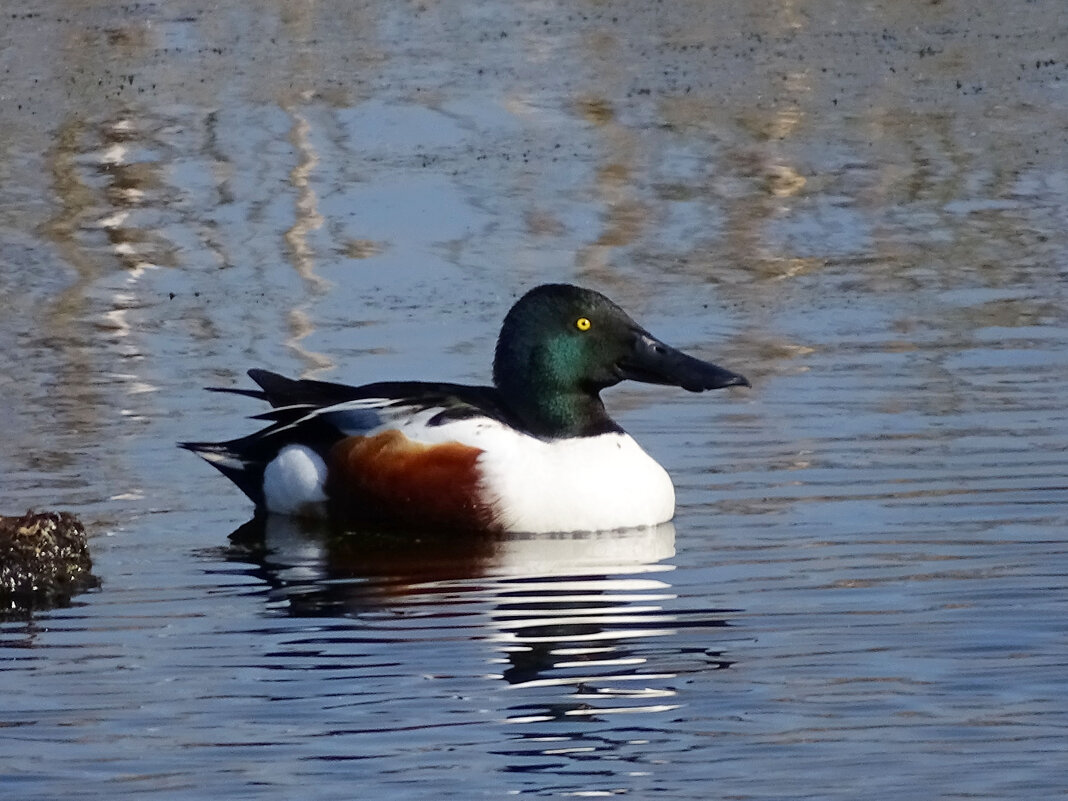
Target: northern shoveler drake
<point>535,452</point>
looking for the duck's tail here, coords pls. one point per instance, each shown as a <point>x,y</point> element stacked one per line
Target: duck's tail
<point>239,460</point>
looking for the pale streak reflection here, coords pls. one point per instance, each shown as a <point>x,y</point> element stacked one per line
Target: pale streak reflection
<point>132,246</point>
<point>306,220</point>
<point>572,615</point>
<point>106,177</point>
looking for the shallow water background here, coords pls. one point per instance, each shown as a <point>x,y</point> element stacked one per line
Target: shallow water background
<point>862,207</point>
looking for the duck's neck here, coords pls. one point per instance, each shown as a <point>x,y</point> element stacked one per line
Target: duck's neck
<point>546,387</point>
<point>551,413</point>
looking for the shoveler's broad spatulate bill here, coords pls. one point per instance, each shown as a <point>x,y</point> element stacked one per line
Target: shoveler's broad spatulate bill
<point>535,452</point>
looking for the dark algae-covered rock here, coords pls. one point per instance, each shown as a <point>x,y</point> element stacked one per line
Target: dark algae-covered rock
<point>44,561</point>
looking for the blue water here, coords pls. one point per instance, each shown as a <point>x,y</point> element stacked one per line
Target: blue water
<point>863,591</point>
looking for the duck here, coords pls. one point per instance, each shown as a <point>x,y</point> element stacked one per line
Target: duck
<point>534,452</point>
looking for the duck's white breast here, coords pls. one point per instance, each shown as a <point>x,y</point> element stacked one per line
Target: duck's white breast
<point>575,484</point>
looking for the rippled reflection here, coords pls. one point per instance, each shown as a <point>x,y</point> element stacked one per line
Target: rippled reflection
<point>580,623</point>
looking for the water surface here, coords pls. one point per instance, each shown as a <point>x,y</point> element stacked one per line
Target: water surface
<point>861,209</point>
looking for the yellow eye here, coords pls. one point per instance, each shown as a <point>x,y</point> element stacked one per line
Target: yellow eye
<point>583,323</point>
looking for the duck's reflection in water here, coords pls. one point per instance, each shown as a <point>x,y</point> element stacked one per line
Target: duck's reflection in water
<point>584,623</point>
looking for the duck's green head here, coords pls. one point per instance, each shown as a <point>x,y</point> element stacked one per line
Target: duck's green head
<point>560,345</point>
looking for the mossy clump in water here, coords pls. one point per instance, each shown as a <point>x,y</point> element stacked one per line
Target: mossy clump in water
<point>44,560</point>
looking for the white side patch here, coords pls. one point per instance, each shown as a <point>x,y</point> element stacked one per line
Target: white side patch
<point>579,484</point>
<point>294,481</point>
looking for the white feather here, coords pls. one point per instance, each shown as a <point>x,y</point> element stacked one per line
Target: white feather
<point>294,482</point>
<point>577,484</point>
